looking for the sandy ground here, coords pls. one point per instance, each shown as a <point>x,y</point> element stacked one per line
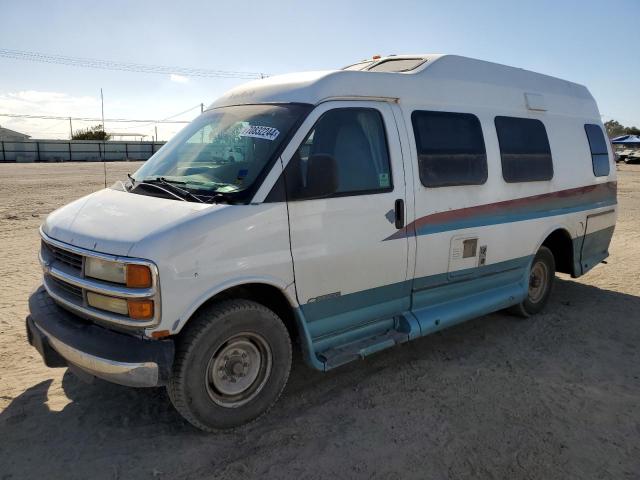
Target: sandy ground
<point>556,396</point>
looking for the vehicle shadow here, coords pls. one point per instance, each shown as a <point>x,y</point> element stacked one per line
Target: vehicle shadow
<point>109,431</point>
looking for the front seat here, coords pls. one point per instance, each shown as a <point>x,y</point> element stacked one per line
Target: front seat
<point>354,158</point>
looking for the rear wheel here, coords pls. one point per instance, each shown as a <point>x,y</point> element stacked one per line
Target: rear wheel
<point>541,276</point>
<point>231,365</point>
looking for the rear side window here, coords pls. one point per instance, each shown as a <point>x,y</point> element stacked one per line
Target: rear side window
<point>599,153</point>
<point>524,150</point>
<point>450,148</point>
<point>356,138</point>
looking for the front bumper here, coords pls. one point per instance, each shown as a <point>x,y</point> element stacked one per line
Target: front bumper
<point>66,340</point>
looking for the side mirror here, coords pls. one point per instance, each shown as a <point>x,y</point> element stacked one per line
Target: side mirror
<point>322,176</point>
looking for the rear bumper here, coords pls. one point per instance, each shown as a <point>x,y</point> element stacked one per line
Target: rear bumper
<point>62,339</point>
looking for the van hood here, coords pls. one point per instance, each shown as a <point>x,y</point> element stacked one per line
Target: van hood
<point>113,221</point>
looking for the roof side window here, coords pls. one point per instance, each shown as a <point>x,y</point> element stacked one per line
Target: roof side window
<point>397,65</point>
<point>450,148</point>
<point>359,66</point>
<point>356,139</point>
<point>599,152</point>
<point>524,150</point>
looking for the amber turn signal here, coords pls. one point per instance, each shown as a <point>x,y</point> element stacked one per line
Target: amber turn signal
<point>160,334</point>
<point>138,276</point>
<point>140,309</point>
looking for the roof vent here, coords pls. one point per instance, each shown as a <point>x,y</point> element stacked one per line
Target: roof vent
<point>535,101</point>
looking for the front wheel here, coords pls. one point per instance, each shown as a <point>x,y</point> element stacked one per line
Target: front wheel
<point>231,365</point>
<point>541,276</point>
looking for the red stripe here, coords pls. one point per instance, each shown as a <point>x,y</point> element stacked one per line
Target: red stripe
<point>507,206</point>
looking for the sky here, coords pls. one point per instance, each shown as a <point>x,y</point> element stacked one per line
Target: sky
<point>591,42</point>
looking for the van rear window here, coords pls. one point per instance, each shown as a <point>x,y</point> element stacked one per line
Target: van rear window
<point>599,153</point>
<point>524,150</point>
<point>450,148</point>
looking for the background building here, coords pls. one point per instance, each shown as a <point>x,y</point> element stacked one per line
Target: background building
<point>12,135</point>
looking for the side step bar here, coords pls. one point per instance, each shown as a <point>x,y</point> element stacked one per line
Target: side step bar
<point>334,357</point>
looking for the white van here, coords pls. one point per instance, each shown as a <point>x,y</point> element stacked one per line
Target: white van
<point>372,205</point>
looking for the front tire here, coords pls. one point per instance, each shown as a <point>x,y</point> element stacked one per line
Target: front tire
<point>231,365</point>
<point>541,277</point>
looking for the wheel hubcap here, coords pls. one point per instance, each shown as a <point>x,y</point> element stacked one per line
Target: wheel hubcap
<point>537,282</point>
<point>238,370</point>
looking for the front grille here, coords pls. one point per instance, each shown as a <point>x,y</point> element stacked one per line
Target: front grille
<point>66,289</point>
<point>64,256</point>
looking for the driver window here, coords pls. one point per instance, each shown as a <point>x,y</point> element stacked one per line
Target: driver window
<point>356,138</point>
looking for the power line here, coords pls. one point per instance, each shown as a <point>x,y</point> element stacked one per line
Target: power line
<point>125,66</point>
<point>87,119</point>
<point>52,126</point>
<point>164,119</point>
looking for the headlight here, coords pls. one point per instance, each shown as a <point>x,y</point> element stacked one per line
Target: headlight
<point>137,309</point>
<point>111,304</point>
<point>131,275</point>
<point>104,270</point>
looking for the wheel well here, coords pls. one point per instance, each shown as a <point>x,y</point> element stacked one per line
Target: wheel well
<point>264,294</point>
<point>561,245</point>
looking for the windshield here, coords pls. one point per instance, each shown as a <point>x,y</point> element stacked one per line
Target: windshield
<point>225,149</point>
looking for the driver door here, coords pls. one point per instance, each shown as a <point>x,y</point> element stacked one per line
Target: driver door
<point>349,274</point>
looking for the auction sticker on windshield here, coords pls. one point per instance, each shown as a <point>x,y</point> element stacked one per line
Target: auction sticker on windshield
<point>257,131</point>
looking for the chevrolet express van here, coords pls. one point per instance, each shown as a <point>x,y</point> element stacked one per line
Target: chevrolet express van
<point>370,206</point>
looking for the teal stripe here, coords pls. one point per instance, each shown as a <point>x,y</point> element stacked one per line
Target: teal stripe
<point>595,248</point>
<point>331,316</point>
<point>481,279</point>
<point>354,301</point>
<point>432,281</point>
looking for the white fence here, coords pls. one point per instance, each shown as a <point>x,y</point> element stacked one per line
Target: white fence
<point>75,150</point>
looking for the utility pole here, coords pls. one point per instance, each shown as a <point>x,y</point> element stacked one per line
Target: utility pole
<point>102,152</point>
<point>156,127</point>
<point>70,129</point>
<point>201,107</point>
<point>102,104</point>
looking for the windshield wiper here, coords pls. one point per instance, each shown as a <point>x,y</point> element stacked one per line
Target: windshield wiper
<point>132,183</point>
<point>220,197</point>
<point>171,185</point>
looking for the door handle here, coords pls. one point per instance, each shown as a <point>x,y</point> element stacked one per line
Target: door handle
<point>399,207</point>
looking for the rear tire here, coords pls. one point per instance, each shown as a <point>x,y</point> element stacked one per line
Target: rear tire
<point>231,365</point>
<point>541,277</point>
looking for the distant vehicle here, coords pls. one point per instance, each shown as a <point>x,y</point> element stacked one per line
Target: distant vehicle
<point>374,205</point>
<point>628,155</point>
<point>634,156</point>
<point>627,147</point>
